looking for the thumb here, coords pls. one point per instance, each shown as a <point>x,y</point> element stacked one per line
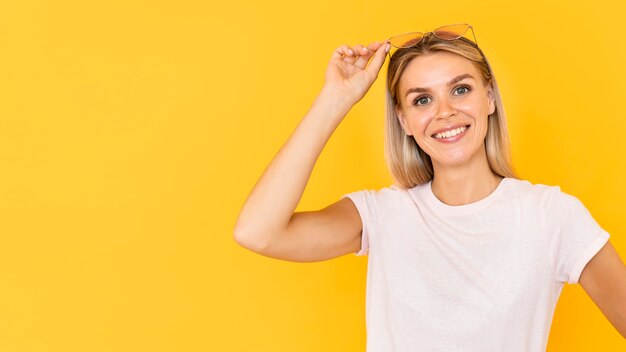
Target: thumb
<point>377,61</point>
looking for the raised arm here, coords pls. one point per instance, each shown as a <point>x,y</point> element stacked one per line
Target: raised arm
<point>267,223</point>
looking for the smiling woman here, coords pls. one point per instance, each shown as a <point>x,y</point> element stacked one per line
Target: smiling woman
<point>449,121</point>
<point>445,64</point>
<point>463,255</point>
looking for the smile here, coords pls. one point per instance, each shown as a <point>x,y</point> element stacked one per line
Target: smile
<point>451,134</point>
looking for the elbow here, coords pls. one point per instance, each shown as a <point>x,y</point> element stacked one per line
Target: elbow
<point>248,240</point>
<point>240,234</point>
<point>240,237</point>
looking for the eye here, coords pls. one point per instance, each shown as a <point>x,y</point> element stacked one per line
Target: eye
<point>420,101</point>
<point>465,88</point>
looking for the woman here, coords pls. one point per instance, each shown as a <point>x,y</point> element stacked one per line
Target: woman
<point>462,254</point>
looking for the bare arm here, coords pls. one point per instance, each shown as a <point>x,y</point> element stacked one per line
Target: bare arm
<point>267,217</point>
<point>604,280</point>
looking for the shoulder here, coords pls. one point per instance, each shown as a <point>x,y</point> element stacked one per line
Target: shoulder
<point>389,192</point>
<point>380,197</point>
<point>535,192</point>
<point>546,197</point>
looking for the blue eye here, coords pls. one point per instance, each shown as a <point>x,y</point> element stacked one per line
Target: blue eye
<point>463,87</point>
<point>415,102</point>
<point>464,90</point>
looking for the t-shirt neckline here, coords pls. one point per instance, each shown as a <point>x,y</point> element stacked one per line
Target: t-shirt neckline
<point>465,208</point>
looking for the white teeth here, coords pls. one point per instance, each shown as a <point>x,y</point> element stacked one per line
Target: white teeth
<point>451,133</point>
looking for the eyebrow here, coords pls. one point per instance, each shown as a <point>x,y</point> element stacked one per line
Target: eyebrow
<point>453,81</point>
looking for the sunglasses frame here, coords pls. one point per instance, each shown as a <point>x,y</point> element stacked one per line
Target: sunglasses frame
<point>433,33</point>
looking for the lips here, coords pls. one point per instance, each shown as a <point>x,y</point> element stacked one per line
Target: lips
<point>446,132</point>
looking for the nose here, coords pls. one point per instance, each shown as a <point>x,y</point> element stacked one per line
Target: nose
<point>445,109</point>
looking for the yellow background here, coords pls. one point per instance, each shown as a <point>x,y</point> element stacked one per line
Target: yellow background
<point>132,131</point>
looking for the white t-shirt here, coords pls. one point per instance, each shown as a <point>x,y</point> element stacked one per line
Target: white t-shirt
<point>484,276</point>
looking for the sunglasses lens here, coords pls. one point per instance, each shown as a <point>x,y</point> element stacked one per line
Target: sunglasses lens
<point>451,32</point>
<point>406,40</point>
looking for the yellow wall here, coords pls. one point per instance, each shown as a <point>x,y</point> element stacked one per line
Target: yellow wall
<point>132,131</point>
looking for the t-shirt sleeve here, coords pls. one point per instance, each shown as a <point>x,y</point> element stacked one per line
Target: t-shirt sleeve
<point>363,202</point>
<point>578,236</point>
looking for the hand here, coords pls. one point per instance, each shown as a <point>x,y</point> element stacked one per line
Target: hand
<point>349,74</point>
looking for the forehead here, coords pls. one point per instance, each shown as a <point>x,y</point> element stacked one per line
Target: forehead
<point>435,69</point>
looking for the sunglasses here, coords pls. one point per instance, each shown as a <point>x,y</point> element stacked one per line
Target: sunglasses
<point>447,32</point>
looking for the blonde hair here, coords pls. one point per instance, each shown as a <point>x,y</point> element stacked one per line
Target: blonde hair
<point>408,163</point>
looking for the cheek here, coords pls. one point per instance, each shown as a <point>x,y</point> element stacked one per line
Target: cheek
<point>473,107</point>
<point>421,123</point>
<point>477,112</point>
<point>417,121</point>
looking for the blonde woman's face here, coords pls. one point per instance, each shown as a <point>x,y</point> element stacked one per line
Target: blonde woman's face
<point>444,105</point>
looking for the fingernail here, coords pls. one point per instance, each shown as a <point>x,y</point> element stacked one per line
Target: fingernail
<point>351,52</point>
<point>387,48</point>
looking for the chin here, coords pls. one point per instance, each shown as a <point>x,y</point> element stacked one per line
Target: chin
<point>455,159</point>
<point>453,163</point>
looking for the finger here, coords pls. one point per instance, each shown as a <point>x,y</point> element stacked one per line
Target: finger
<point>354,54</point>
<point>374,45</point>
<point>358,51</point>
<point>377,61</point>
<point>342,51</point>
<point>368,51</point>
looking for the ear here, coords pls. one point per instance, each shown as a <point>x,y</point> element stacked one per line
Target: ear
<point>492,100</point>
<point>400,116</point>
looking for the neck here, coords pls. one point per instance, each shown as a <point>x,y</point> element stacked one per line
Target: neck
<point>464,184</point>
